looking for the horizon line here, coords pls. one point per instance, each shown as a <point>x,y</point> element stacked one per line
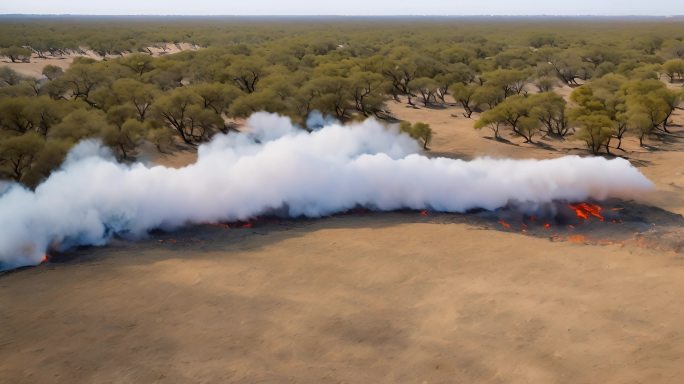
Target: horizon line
<point>342,15</point>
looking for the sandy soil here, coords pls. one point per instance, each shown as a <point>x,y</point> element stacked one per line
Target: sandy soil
<point>34,68</point>
<point>363,298</point>
<point>337,300</point>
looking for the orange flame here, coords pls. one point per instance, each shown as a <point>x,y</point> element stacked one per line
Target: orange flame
<point>424,212</point>
<point>44,259</point>
<point>504,224</point>
<point>585,211</point>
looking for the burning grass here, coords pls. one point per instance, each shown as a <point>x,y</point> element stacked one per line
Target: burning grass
<point>585,211</point>
<point>614,222</point>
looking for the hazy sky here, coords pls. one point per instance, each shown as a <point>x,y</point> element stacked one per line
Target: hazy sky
<point>346,7</point>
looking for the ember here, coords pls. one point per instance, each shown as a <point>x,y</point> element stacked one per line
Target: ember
<point>585,211</point>
<point>424,213</point>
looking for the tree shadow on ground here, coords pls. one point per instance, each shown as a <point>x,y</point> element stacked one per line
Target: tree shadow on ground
<point>501,140</point>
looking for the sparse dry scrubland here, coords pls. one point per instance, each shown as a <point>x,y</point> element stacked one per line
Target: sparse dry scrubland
<point>398,297</point>
<point>506,74</point>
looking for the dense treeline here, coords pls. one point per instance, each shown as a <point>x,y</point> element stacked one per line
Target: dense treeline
<point>505,71</point>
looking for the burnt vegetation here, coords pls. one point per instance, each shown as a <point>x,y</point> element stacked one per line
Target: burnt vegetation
<point>626,77</point>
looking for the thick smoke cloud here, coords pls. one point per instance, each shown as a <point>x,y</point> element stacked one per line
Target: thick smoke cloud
<point>279,167</point>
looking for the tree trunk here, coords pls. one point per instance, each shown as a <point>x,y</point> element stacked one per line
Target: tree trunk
<point>468,110</point>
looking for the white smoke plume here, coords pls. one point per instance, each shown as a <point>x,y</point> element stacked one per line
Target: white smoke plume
<point>277,166</point>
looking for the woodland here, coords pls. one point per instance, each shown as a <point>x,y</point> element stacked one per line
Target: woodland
<point>626,78</point>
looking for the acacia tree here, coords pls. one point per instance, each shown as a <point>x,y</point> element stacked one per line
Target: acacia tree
<point>515,112</point>
<point>672,100</point>
<point>488,95</point>
<point>673,48</point>
<point>246,71</point>
<point>262,100</point>
<point>44,112</point>
<point>13,116</point>
<point>651,106</point>
<point>456,73</point>
<point>419,131</point>
<point>29,158</point>
<point>596,131</point>
<point>652,98</point>
<point>50,156</point>
<point>167,73</point>
<point>400,72</point>
<point>549,109</point>
<point>216,96</point>
<point>17,54</point>
<point>80,124</point>
<point>52,72</point>
<point>426,88</point>
<point>400,69</point>
<point>465,94</point>
<point>674,68</point>
<point>539,40</point>
<point>490,121</point>
<point>124,138</point>
<point>138,63</point>
<point>568,66</point>
<point>640,123</point>
<point>119,114</point>
<point>202,123</point>
<point>366,89</point>
<point>332,95</point>
<point>82,79</point>
<point>17,154</point>
<point>138,94</point>
<point>9,77</point>
<point>602,97</point>
<point>544,78</point>
<point>510,81</point>
<point>172,109</point>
